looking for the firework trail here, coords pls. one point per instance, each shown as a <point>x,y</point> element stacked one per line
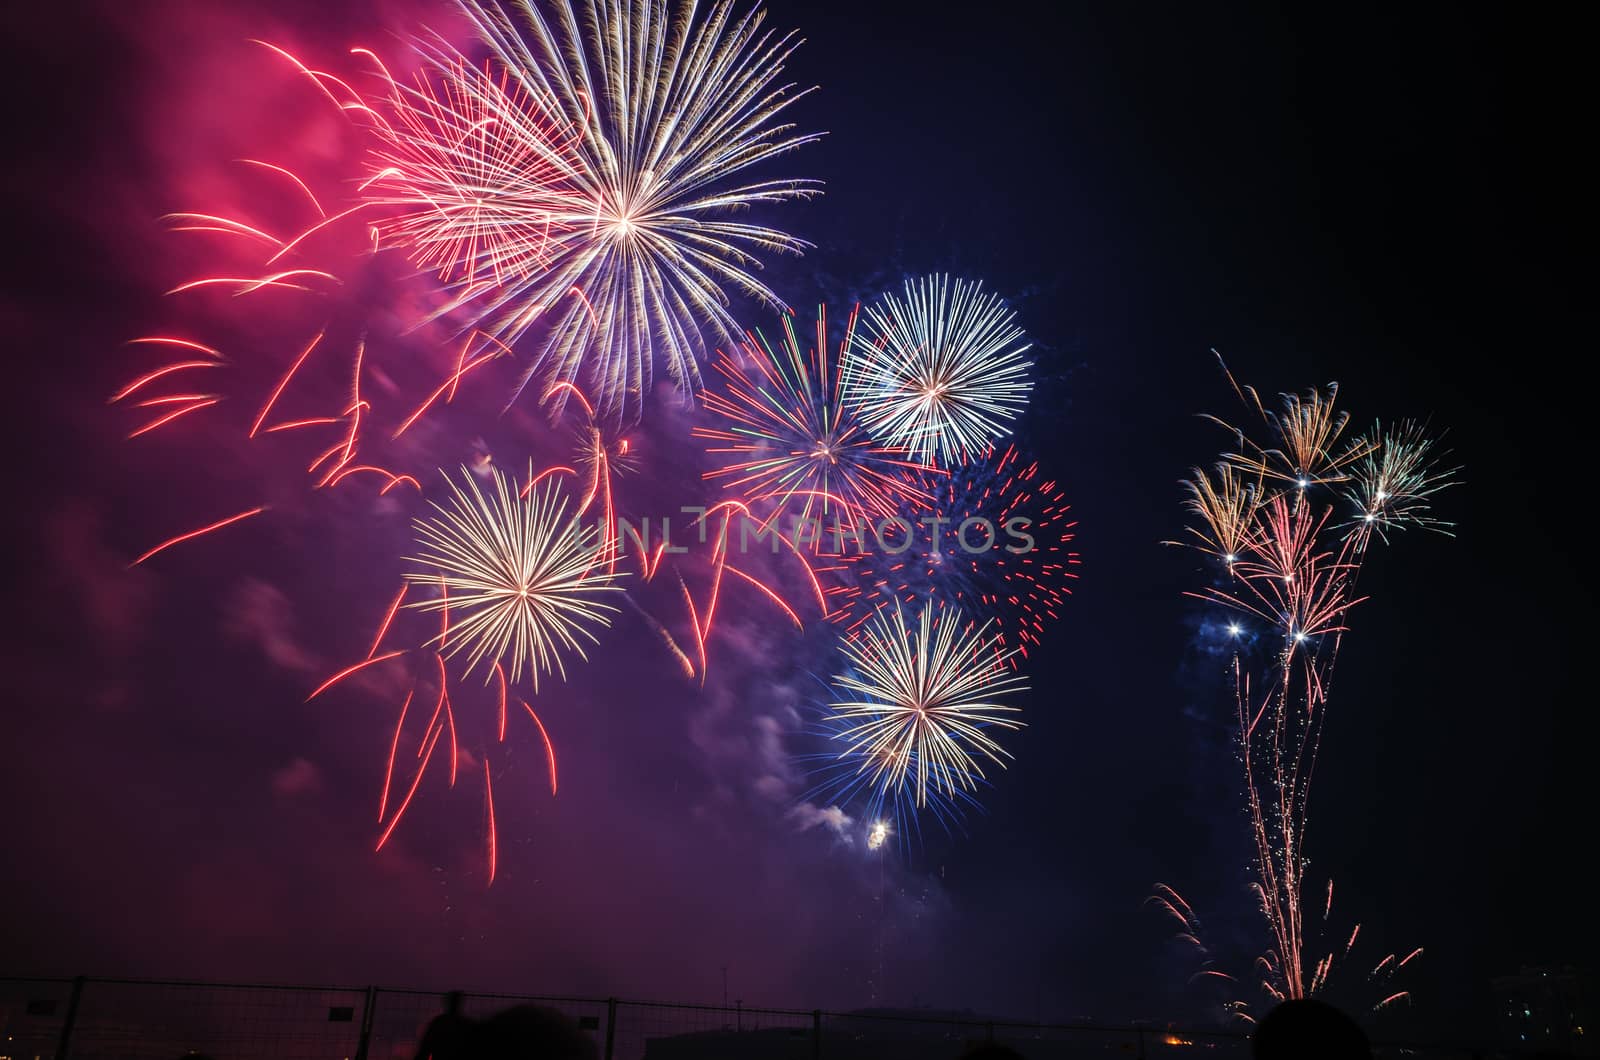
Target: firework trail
<point>650,120</point>
<point>939,373</point>
<point>451,736</point>
<point>716,553</point>
<point>520,574</point>
<point>306,278</point>
<point>1285,567</point>
<point>921,702</point>
<point>997,544</point>
<point>469,175</point>
<point>783,439</point>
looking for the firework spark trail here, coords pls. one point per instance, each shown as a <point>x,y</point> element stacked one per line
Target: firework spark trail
<point>784,439</point>
<point>1306,448</point>
<point>442,726</point>
<point>655,125</point>
<point>192,534</point>
<point>526,579</point>
<point>998,546</point>
<point>924,700</point>
<point>718,526</point>
<point>469,175</point>
<point>1392,486</point>
<point>1267,518</point>
<point>940,373</point>
<point>600,451</point>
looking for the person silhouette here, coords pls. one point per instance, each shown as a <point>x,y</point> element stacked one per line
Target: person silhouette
<point>446,1037</point>
<point>1305,1029</point>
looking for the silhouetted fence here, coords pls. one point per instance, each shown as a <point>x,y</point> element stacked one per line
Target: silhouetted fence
<point>128,1019</point>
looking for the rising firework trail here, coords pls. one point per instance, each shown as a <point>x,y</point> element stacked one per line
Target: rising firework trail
<point>939,373</point>
<point>1285,560</point>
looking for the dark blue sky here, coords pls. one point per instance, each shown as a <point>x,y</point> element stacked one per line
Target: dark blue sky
<point>1376,197</point>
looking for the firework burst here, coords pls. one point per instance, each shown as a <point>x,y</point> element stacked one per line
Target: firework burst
<point>922,702</point>
<point>667,113</point>
<point>469,174</point>
<point>1306,445</point>
<point>939,373</point>
<point>997,543</point>
<point>1393,485</point>
<point>847,781</point>
<point>519,575</point>
<point>784,440</point>
<point>1285,566</point>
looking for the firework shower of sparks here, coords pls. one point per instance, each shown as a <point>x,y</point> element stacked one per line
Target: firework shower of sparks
<point>922,701</point>
<point>997,544</point>
<point>469,175</point>
<point>939,373</point>
<point>668,117</point>
<point>519,574</point>
<point>447,216</point>
<point>784,439</point>
<point>1285,570</point>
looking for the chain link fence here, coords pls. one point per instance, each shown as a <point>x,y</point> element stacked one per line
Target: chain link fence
<point>126,1019</point>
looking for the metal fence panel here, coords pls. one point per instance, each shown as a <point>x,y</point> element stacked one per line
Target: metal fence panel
<point>125,1020</point>
<point>119,1019</point>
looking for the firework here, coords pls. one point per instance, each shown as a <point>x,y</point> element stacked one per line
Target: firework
<point>519,576</point>
<point>844,780</point>
<point>923,701</point>
<point>469,174</point>
<point>720,533</point>
<point>1285,566</point>
<point>658,117</point>
<point>940,373</point>
<point>993,538</point>
<point>1392,486</point>
<point>1225,506</point>
<point>784,439</point>
<point>1305,445</point>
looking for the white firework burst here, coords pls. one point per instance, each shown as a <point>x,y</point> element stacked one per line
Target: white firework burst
<point>939,373</point>
<point>924,703</point>
<point>519,576</point>
<point>657,115</point>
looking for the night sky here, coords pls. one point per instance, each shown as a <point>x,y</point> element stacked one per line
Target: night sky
<point>1377,196</point>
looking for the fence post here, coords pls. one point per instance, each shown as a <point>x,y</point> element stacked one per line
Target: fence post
<point>70,1018</point>
<point>991,1031</point>
<point>368,1012</point>
<point>1139,1032</point>
<point>611,1025</point>
<point>816,1033</point>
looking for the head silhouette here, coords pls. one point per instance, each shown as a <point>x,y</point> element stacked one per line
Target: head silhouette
<point>1304,1029</point>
